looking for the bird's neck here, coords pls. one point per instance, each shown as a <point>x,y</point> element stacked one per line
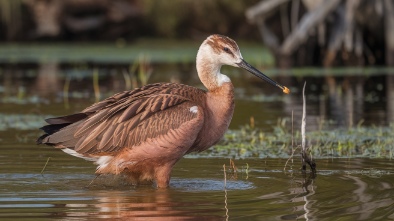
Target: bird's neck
<point>208,70</point>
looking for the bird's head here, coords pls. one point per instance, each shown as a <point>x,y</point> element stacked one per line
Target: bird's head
<point>221,50</point>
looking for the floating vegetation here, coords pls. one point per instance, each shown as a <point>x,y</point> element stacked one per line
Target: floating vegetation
<point>21,121</point>
<point>357,141</point>
<point>18,99</point>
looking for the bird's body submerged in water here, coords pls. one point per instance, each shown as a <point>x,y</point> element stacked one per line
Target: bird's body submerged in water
<point>142,133</point>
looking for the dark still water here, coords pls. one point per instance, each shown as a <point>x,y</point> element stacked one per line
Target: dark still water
<point>344,189</point>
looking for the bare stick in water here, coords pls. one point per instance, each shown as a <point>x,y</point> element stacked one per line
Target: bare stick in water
<point>92,181</point>
<point>304,154</point>
<point>292,143</point>
<point>303,123</point>
<point>225,191</point>
<point>45,166</point>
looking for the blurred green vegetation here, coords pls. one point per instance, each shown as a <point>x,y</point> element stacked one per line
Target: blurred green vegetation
<point>157,51</point>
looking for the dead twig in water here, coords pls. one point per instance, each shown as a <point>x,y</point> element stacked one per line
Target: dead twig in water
<point>247,171</point>
<point>92,181</point>
<point>225,191</point>
<point>233,169</point>
<point>45,166</point>
<point>292,142</point>
<point>290,158</point>
<point>304,154</point>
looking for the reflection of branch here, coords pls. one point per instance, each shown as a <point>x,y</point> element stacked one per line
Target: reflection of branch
<point>302,193</point>
<point>306,183</point>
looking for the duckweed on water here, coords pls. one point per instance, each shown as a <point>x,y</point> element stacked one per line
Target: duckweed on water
<point>352,142</point>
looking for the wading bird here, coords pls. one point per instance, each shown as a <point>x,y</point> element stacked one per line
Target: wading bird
<point>142,133</point>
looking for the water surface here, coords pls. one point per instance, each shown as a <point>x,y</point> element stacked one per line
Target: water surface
<point>345,188</point>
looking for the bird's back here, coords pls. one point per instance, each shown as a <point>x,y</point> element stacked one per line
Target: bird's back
<point>124,120</point>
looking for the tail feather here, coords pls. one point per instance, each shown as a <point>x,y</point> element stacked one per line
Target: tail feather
<point>57,124</point>
<point>53,128</point>
<point>67,119</point>
<point>41,138</point>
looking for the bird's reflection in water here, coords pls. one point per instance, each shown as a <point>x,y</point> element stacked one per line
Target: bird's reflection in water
<point>122,201</point>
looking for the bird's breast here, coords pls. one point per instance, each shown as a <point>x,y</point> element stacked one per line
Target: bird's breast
<point>218,113</point>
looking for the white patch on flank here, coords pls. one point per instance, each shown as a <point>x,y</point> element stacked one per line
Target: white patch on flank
<point>221,78</point>
<point>103,161</point>
<point>75,154</point>
<point>194,109</point>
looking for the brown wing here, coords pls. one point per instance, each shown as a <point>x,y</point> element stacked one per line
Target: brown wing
<point>141,121</point>
<point>124,120</point>
<point>123,99</point>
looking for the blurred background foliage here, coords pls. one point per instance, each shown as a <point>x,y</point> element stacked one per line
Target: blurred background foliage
<point>297,32</point>
<point>103,20</point>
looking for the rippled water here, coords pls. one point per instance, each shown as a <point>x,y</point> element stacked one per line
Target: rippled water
<point>345,189</point>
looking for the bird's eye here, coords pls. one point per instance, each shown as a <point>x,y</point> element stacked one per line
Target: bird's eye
<point>226,49</point>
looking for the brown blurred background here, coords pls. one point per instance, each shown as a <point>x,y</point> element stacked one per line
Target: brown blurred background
<point>298,32</point>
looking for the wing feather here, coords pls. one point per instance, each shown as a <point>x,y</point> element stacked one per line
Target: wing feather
<point>126,119</point>
<point>129,127</point>
<point>129,112</point>
<point>91,122</point>
<point>107,138</point>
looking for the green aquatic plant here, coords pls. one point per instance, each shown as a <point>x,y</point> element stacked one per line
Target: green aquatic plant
<point>251,141</point>
<point>66,88</point>
<point>139,73</point>
<point>359,141</point>
<point>96,85</point>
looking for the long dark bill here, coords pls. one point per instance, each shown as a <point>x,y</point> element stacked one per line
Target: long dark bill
<point>243,64</point>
